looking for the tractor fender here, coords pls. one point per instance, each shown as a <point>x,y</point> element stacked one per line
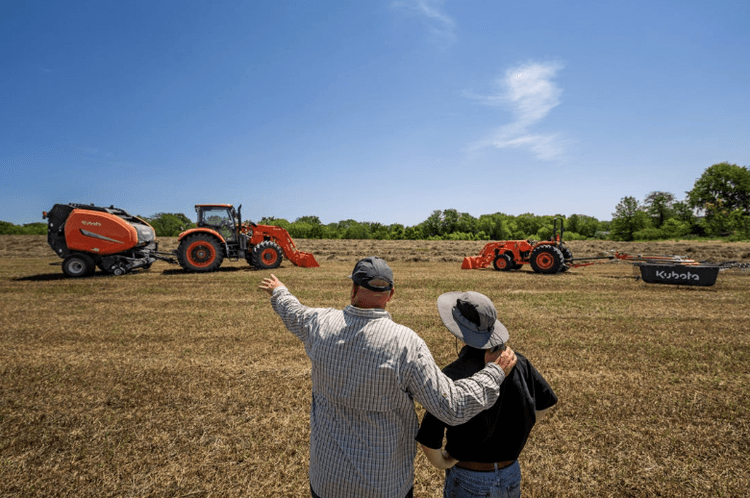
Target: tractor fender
<point>202,230</point>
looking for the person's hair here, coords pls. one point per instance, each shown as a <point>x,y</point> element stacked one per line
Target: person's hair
<point>369,297</point>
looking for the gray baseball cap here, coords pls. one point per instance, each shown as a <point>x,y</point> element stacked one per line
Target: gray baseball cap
<point>373,273</point>
<point>472,317</point>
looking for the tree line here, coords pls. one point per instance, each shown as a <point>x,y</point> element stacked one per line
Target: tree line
<point>718,206</point>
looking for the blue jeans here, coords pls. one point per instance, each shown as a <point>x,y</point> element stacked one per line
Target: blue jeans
<point>410,494</point>
<point>500,483</point>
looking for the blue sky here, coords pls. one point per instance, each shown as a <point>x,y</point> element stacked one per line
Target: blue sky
<point>378,110</point>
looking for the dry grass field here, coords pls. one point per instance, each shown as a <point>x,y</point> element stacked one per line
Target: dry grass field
<point>168,384</point>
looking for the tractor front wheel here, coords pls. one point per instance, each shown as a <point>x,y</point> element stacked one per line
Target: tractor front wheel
<point>547,259</point>
<point>200,253</point>
<point>266,255</point>
<point>78,265</point>
<point>503,262</point>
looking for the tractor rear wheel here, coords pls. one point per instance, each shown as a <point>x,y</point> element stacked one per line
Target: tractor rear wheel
<point>200,253</point>
<point>79,265</point>
<point>567,257</point>
<point>267,255</point>
<point>503,262</point>
<point>547,259</point>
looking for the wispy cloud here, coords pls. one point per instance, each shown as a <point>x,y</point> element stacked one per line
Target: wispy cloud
<point>529,91</point>
<point>440,25</point>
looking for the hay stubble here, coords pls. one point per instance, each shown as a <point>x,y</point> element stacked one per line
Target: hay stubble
<point>163,383</point>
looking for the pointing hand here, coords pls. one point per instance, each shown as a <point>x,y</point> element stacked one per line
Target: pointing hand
<point>270,283</point>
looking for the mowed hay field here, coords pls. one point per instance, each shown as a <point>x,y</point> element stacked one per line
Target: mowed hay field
<point>169,384</point>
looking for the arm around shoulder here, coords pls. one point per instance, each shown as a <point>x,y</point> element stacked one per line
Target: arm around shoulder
<point>452,402</point>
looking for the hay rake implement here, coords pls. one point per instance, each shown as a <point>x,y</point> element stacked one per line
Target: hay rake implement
<point>677,270</point>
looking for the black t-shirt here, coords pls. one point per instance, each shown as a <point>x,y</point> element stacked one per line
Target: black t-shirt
<point>499,433</point>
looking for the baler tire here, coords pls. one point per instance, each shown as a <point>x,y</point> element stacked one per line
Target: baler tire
<point>267,255</point>
<point>78,265</point>
<point>503,262</point>
<point>200,253</point>
<point>547,260</point>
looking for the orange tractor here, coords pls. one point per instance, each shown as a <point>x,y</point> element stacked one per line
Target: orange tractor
<point>221,234</point>
<point>548,256</point>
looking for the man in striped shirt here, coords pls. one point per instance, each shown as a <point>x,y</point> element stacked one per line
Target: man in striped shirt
<point>367,371</point>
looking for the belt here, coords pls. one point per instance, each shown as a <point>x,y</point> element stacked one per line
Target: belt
<point>484,467</point>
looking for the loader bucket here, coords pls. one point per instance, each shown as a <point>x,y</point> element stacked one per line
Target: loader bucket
<point>472,263</point>
<point>305,260</point>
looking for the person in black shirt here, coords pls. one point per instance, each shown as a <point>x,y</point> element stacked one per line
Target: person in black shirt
<point>481,455</point>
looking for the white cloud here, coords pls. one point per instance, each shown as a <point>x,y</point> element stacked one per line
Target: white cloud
<point>440,25</point>
<point>530,94</point>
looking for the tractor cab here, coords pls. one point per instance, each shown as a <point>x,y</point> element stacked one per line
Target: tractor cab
<point>221,217</point>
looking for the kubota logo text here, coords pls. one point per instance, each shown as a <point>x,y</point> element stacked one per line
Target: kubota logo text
<point>677,276</point>
<point>91,223</point>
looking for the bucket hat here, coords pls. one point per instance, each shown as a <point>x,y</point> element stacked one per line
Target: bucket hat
<point>472,317</point>
<point>373,273</point>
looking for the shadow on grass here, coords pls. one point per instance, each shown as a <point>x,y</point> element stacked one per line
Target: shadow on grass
<point>51,277</point>
<point>225,269</point>
<point>47,277</point>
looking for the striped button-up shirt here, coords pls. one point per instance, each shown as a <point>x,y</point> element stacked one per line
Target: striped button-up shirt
<point>367,371</point>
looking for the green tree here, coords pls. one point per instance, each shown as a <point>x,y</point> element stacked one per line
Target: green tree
<point>544,233</point>
<point>376,230</point>
<point>722,189</point>
<point>307,227</point>
<point>529,224</point>
<point>331,231</point>
<point>433,225</point>
<point>351,229</point>
<point>396,232</point>
<point>684,213</point>
<point>673,228</point>
<point>585,226</point>
<point>37,228</point>
<point>169,224</point>
<point>740,225</point>
<point>276,222</point>
<point>300,230</point>
<point>628,218</point>
<point>312,220</point>
<point>414,233</point>
<point>449,221</point>
<point>660,207</point>
<point>7,228</point>
<point>466,223</point>
<point>495,226</point>
<point>547,230</point>
<point>649,233</point>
